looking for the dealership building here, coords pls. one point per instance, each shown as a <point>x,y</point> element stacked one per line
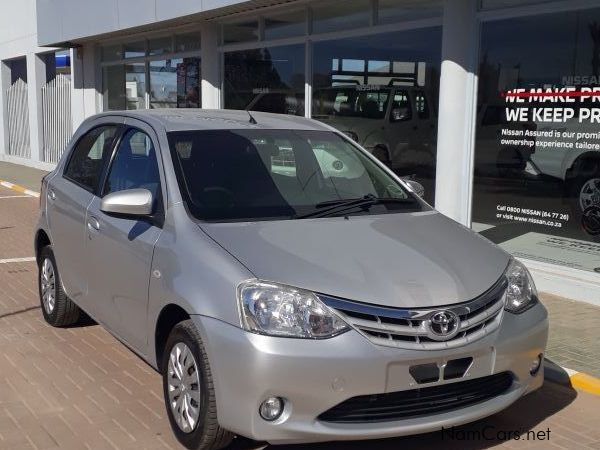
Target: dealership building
<point>492,105</point>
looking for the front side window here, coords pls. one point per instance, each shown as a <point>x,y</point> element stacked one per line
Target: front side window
<point>348,101</point>
<point>134,165</point>
<point>278,174</point>
<point>88,156</point>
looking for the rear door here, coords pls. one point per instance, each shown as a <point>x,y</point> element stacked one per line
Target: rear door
<point>119,249</point>
<point>68,195</point>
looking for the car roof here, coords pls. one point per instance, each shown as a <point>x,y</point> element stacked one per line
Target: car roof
<point>217,119</point>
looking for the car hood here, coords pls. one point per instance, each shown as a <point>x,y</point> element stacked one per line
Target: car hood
<point>418,259</point>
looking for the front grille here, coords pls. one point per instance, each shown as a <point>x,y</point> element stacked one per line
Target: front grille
<point>418,402</point>
<point>410,328</point>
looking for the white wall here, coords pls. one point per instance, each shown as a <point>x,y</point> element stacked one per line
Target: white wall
<point>18,38</point>
<point>68,20</point>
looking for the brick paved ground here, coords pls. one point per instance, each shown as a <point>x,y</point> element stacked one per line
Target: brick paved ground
<point>79,388</point>
<point>574,337</point>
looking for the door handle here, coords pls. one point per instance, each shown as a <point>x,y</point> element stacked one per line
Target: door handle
<point>93,224</point>
<point>51,194</point>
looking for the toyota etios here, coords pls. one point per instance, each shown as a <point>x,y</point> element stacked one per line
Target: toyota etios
<point>286,284</point>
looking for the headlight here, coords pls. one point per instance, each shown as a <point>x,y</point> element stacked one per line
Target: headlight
<point>278,310</point>
<point>521,293</point>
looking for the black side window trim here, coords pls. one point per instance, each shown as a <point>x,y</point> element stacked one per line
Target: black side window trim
<point>93,190</point>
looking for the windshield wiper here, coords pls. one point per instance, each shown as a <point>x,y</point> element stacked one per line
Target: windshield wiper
<point>337,206</point>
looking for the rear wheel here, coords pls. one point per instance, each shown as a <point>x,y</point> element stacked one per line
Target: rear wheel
<point>583,192</point>
<point>57,308</point>
<point>584,197</point>
<point>188,391</point>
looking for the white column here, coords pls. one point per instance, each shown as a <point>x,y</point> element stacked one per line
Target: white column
<point>92,77</point>
<point>4,85</point>
<point>457,110</point>
<point>211,66</point>
<point>84,89</point>
<point>36,78</point>
<point>77,87</point>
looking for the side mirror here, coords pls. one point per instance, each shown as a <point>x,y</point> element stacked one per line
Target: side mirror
<point>131,202</point>
<point>417,187</point>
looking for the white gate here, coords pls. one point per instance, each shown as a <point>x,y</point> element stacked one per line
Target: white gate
<point>18,119</point>
<point>56,107</point>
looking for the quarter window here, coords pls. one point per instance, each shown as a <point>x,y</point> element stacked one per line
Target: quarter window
<point>88,156</point>
<point>134,165</point>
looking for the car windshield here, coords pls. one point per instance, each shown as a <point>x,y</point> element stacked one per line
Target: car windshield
<point>227,175</point>
<point>368,102</point>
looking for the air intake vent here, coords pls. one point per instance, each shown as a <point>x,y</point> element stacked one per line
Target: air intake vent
<point>418,402</point>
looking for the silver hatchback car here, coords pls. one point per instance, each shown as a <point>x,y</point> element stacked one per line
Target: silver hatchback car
<point>287,285</point>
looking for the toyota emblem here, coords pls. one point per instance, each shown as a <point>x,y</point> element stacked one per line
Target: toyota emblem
<point>443,325</point>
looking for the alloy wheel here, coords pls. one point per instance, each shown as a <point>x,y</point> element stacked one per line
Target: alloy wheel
<point>184,387</point>
<point>48,284</point>
<point>589,195</point>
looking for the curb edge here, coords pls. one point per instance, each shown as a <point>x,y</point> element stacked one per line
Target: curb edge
<point>20,189</point>
<point>569,377</point>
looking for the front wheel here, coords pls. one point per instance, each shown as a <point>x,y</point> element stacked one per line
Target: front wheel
<point>189,392</point>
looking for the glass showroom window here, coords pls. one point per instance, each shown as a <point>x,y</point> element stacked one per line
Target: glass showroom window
<point>124,86</point>
<point>171,62</point>
<point>382,91</point>
<point>266,79</point>
<point>175,83</point>
<point>537,169</point>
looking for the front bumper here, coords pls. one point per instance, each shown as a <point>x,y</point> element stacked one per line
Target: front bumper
<point>315,375</point>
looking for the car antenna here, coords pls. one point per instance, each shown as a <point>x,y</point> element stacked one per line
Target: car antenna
<point>252,119</point>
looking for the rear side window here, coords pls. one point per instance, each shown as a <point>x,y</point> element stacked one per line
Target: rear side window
<point>88,156</point>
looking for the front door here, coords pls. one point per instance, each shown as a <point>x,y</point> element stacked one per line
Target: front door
<point>120,249</point>
<point>68,195</point>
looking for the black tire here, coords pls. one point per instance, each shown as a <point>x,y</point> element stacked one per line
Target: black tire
<point>64,312</point>
<point>207,434</point>
<point>382,155</point>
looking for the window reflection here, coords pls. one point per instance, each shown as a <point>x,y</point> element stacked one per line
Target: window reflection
<point>266,79</point>
<point>382,90</point>
<point>175,83</point>
<point>537,179</point>
<point>330,17</point>
<point>124,86</point>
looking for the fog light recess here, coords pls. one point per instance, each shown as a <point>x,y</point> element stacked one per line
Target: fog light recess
<point>271,408</point>
<point>536,364</point>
